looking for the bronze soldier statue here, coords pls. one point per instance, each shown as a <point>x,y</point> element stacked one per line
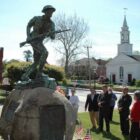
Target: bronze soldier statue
<point>37,29</point>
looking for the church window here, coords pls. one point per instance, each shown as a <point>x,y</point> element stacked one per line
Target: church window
<point>121,72</point>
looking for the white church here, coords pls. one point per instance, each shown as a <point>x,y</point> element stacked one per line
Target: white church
<point>125,66</point>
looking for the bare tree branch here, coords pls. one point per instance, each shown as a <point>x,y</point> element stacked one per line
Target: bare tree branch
<point>70,41</point>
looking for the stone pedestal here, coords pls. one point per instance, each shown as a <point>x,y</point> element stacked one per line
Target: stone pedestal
<point>37,114</point>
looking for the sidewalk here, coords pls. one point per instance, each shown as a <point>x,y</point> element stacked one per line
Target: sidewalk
<point>1,106</point>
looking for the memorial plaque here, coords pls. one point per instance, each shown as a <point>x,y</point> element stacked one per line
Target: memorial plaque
<point>9,114</point>
<point>52,122</point>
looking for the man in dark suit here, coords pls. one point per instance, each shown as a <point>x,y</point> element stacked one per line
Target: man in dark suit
<point>123,106</point>
<point>104,108</point>
<point>92,105</point>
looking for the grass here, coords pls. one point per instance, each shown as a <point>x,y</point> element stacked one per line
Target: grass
<point>114,128</point>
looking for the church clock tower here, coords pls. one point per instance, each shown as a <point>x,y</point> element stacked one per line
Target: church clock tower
<point>125,46</point>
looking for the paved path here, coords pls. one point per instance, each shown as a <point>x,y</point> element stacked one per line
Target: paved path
<point>0,114</point>
<point>1,106</point>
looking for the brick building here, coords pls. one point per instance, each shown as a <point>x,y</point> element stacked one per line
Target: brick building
<point>1,59</point>
<point>80,68</point>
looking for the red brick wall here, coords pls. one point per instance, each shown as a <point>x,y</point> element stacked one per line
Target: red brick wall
<point>1,59</point>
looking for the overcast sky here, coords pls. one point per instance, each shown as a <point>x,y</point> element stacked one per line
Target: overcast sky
<point>104,17</point>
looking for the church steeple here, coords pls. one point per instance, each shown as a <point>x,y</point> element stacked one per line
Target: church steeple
<point>125,22</point>
<point>125,32</point>
<point>125,46</point>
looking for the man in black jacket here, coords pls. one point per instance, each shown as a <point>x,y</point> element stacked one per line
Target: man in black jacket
<point>92,104</point>
<point>104,108</point>
<point>123,107</point>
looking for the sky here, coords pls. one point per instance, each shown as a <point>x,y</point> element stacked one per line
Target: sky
<point>104,18</point>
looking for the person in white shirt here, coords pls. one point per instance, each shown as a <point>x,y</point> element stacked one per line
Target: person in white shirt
<point>74,101</point>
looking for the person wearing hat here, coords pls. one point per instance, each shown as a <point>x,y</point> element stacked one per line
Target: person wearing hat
<point>124,103</point>
<point>39,25</point>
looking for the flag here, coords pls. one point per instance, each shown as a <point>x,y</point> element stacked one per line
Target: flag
<point>88,135</point>
<point>79,129</point>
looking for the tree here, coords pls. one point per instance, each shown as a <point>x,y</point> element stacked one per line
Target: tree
<point>71,41</point>
<point>136,52</point>
<point>28,55</point>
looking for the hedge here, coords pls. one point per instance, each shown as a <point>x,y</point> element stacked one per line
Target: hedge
<point>14,71</point>
<point>137,83</point>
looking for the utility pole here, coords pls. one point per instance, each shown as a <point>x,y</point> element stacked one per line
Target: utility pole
<point>94,74</point>
<point>89,70</point>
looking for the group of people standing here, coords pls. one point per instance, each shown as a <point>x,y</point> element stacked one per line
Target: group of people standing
<point>127,114</point>
<point>101,106</point>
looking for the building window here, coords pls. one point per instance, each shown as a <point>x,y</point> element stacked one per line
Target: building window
<point>121,72</point>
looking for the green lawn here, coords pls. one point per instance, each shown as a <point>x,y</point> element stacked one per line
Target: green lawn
<point>114,128</point>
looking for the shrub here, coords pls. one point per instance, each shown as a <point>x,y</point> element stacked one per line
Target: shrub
<point>65,82</point>
<point>138,83</point>
<point>15,69</point>
<point>2,100</point>
<point>133,82</point>
<point>55,72</point>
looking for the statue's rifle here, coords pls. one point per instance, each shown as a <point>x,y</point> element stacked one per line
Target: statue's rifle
<point>42,36</point>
